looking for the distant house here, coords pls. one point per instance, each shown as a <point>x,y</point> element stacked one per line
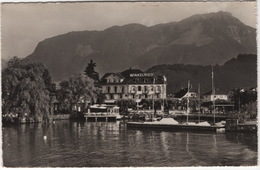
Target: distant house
<point>132,84</point>
<point>184,93</point>
<point>218,95</point>
<point>57,85</point>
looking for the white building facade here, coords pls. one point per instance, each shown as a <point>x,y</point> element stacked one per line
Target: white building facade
<point>132,84</point>
<point>217,96</point>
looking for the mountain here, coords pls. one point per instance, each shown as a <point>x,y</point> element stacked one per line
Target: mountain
<point>237,72</point>
<point>204,39</point>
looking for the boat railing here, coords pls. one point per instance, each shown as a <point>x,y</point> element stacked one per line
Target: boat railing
<point>101,113</point>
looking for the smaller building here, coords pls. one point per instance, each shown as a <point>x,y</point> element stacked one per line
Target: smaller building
<point>185,93</point>
<point>217,95</point>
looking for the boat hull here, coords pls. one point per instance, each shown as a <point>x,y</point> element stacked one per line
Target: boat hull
<point>172,127</point>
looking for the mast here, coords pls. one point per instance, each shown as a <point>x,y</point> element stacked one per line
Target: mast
<point>199,100</point>
<point>188,101</point>
<point>213,93</point>
<point>153,95</point>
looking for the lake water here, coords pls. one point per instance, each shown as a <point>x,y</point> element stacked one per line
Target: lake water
<point>111,144</point>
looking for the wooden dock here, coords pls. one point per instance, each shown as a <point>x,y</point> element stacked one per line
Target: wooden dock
<point>101,116</point>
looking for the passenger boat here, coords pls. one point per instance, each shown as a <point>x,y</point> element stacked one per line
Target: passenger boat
<point>103,112</point>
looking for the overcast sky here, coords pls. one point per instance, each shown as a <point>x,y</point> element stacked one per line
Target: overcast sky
<point>24,25</point>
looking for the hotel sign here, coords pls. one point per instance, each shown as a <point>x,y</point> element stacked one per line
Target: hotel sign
<point>142,75</point>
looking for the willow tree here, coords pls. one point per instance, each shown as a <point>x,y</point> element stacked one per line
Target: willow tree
<point>76,89</point>
<point>25,88</point>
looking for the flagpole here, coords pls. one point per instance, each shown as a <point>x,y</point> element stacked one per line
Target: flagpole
<point>213,93</point>
<point>163,94</point>
<point>199,100</point>
<point>153,95</point>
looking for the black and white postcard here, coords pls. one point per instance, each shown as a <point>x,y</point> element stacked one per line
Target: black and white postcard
<point>129,84</point>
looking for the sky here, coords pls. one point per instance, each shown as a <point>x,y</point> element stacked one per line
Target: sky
<point>24,25</point>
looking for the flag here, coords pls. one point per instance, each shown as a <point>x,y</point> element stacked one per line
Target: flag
<point>164,79</point>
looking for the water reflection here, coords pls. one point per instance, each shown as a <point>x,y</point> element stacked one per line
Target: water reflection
<point>111,144</point>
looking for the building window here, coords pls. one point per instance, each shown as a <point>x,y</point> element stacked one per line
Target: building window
<point>115,89</point>
<point>123,90</point>
<point>139,88</point>
<point>108,89</point>
<point>111,96</point>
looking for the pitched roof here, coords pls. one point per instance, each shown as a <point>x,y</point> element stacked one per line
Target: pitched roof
<point>181,93</point>
<point>116,74</point>
<point>128,79</point>
<point>144,80</point>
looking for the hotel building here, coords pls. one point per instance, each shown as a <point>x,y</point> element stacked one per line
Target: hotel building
<point>132,84</point>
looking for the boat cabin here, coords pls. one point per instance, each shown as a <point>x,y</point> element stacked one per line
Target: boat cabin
<point>109,109</point>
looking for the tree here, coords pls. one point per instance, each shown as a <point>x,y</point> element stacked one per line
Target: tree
<point>244,103</point>
<point>76,89</point>
<point>25,89</point>
<point>156,103</point>
<point>124,104</point>
<point>242,97</point>
<point>90,71</point>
